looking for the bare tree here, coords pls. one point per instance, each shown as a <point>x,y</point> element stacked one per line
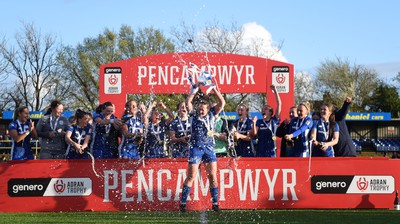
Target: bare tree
<point>3,64</point>
<point>337,79</point>
<point>233,39</point>
<point>303,88</point>
<point>81,63</point>
<point>32,64</point>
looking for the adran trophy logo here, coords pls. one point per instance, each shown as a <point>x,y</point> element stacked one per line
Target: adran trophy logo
<point>280,78</point>
<point>112,79</point>
<point>362,184</point>
<point>59,186</point>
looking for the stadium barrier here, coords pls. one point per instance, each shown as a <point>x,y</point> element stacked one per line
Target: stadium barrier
<point>155,184</point>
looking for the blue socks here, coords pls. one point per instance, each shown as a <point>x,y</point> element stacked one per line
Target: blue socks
<point>214,195</point>
<point>185,193</point>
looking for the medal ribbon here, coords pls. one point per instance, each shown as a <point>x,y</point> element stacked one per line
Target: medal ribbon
<point>55,123</point>
<point>186,129</point>
<point>324,129</point>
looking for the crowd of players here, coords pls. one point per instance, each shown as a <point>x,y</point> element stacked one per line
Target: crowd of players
<point>146,132</point>
<point>197,132</point>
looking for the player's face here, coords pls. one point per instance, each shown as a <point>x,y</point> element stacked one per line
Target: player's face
<point>108,111</point>
<point>266,111</point>
<point>203,110</point>
<point>302,111</point>
<point>242,111</point>
<point>58,110</point>
<point>293,112</point>
<point>155,116</point>
<point>182,109</point>
<point>23,116</point>
<point>132,107</point>
<point>83,121</point>
<point>325,112</point>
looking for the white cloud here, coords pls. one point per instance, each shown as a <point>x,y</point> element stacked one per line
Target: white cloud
<point>257,41</point>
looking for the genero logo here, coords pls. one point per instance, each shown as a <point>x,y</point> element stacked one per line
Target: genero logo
<point>112,80</point>
<point>352,184</point>
<point>37,187</point>
<point>280,78</point>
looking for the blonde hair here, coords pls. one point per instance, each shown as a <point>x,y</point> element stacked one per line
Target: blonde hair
<point>307,105</point>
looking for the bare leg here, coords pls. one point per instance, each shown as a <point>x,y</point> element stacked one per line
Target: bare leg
<point>211,169</point>
<point>193,169</point>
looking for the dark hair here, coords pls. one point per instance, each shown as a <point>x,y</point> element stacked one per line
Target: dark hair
<point>127,106</point>
<point>18,111</point>
<point>53,105</point>
<point>79,114</point>
<point>179,104</point>
<point>103,106</point>
<point>331,118</point>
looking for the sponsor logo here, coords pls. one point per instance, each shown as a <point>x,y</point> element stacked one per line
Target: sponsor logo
<point>112,80</point>
<point>280,78</point>
<point>27,187</point>
<point>362,184</point>
<point>37,187</point>
<point>59,186</point>
<point>352,184</point>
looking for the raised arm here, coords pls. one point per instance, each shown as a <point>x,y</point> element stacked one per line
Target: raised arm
<point>278,102</point>
<point>341,113</point>
<point>221,102</point>
<point>147,115</point>
<point>168,111</point>
<point>189,100</point>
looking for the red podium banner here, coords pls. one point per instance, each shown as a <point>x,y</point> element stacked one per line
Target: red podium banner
<point>155,184</point>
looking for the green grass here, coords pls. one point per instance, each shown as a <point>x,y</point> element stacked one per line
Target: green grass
<point>226,216</point>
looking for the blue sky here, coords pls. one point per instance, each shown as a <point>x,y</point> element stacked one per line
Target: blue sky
<point>363,32</point>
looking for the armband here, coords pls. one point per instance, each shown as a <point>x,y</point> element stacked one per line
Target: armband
<point>27,133</point>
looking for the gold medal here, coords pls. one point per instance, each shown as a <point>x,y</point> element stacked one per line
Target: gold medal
<point>274,138</point>
<point>210,133</point>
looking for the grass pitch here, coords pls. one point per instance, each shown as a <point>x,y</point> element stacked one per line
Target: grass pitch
<point>225,216</point>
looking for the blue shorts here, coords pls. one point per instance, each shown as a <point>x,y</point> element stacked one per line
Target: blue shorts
<point>203,153</point>
<point>20,153</point>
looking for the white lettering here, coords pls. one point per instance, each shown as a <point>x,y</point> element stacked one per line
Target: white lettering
<point>224,74</point>
<point>223,185</point>
<point>271,183</point>
<point>169,75</point>
<point>142,73</point>
<point>250,74</point>
<point>160,185</point>
<point>124,185</point>
<point>174,69</point>
<point>199,181</point>
<point>152,74</point>
<point>107,186</point>
<point>179,183</point>
<point>148,187</point>
<point>287,185</point>
<point>248,183</point>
